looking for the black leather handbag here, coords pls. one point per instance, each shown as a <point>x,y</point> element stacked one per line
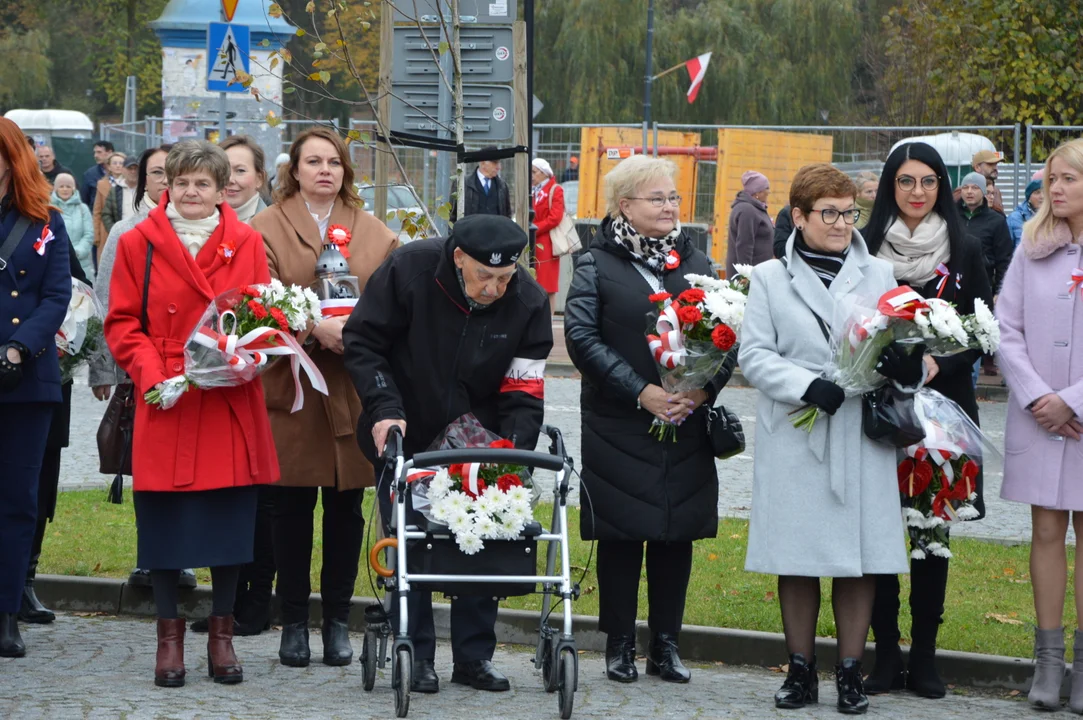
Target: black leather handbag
<point>726,433</point>
<point>888,416</point>
<point>118,424</point>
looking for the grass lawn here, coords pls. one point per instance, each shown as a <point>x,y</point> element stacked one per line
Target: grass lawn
<point>989,604</point>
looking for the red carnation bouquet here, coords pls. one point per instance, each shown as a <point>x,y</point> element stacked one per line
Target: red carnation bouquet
<point>691,335</point>
<point>239,335</point>
<point>938,478</point>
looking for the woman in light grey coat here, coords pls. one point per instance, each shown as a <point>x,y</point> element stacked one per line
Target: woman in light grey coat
<point>825,503</point>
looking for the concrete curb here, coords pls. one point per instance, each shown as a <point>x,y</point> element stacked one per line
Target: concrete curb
<point>698,644</point>
<point>991,393</point>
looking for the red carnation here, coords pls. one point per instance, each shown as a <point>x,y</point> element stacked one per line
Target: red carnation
<point>257,309</point>
<point>280,318</point>
<point>689,314</point>
<point>692,295</point>
<point>659,297</point>
<point>457,470</point>
<point>507,481</point>
<point>914,477</point>
<point>723,337</point>
<point>502,443</point>
<point>251,291</point>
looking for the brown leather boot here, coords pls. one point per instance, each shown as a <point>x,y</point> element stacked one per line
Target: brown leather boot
<point>169,662</point>
<point>222,663</point>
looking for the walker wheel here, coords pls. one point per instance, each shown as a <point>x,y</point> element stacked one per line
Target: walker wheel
<point>566,697</point>
<point>368,660</point>
<point>403,667</point>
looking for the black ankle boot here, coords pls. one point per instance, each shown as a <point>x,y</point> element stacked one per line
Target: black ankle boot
<point>663,660</point>
<point>337,650</point>
<point>32,611</point>
<point>620,658</point>
<point>851,688</point>
<point>11,643</point>
<point>802,686</point>
<point>889,672</point>
<point>293,649</point>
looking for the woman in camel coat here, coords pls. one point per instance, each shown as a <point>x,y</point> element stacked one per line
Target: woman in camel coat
<point>316,445</point>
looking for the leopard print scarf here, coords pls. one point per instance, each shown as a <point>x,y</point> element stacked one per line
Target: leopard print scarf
<point>650,251</point>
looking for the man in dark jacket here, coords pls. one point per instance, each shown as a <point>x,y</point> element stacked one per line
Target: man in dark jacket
<point>783,230</point>
<point>89,189</point>
<point>486,192</point>
<point>988,226</point>
<point>447,327</point>
<point>50,168</point>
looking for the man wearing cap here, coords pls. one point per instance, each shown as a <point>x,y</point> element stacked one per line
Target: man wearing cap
<point>486,191</point>
<point>1032,200</point>
<point>446,327</point>
<point>986,162</point>
<point>751,234</point>
<point>571,173</point>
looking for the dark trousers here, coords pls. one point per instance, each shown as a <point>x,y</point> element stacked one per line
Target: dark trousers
<point>343,527</point>
<point>473,617</point>
<point>24,428</point>
<point>48,485</point>
<point>256,580</point>
<point>620,564</point>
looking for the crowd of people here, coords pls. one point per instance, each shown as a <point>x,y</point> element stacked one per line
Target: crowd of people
<point>228,478</point>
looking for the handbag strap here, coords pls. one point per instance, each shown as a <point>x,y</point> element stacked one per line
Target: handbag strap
<point>146,289</point>
<point>12,240</point>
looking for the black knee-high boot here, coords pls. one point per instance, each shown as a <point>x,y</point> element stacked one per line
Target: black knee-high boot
<point>928,586</point>
<point>32,611</point>
<point>889,672</point>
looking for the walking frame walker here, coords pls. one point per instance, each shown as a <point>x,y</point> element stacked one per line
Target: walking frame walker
<point>503,569</point>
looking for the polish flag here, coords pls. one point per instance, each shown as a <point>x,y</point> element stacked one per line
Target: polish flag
<point>697,68</point>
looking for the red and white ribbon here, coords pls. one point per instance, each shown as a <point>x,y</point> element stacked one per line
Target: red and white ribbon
<point>46,238</point>
<point>256,347</point>
<point>335,308</point>
<point>902,302</point>
<point>668,345</point>
<point>525,375</point>
<point>1076,281</point>
<point>943,273</point>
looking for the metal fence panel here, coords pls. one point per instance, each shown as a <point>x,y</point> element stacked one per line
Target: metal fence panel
<point>1043,139</point>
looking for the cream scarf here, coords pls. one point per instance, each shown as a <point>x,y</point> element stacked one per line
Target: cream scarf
<point>915,256</point>
<point>192,233</point>
<point>146,205</point>
<point>247,211</point>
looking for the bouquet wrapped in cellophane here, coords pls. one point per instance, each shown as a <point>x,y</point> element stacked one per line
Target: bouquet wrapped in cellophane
<point>239,335</point>
<point>691,335</point>
<point>938,477</point>
<point>80,338</point>
<point>864,329</point>
<point>476,501</point>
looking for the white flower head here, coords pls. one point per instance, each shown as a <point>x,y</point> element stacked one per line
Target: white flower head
<point>491,501</point>
<point>469,543</point>
<point>984,327</point>
<point>742,269</point>
<point>459,521</point>
<point>917,554</point>
<point>518,496</point>
<point>705,282</point>
<point>486,527</point>
<point>440,484</point>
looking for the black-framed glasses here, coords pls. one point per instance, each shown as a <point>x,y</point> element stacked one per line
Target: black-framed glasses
<point>830,216</point>
<point>907,183</point>
<point>659,201</point>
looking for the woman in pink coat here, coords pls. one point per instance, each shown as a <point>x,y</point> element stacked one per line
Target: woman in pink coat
<point>1040,309</point>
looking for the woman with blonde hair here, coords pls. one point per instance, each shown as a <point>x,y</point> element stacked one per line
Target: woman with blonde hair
<point>1043,450</point>
<point>316,206</point>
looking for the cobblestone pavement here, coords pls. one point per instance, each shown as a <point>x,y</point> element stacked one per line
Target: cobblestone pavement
<point>102,667</point>
<point>1005,520</point>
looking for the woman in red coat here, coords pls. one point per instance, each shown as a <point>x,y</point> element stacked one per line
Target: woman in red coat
<point>548,212</point>
<point>197,465</point>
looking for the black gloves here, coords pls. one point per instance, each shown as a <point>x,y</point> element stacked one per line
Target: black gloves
<point>11,374</point>
<point>902,363</point>
<point>825,395</point>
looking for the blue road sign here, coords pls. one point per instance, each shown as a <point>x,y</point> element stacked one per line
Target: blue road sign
<point>228,47</point>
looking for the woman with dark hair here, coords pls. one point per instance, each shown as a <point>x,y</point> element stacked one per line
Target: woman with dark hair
<point>36,287</point>
<point>248,177</point>
<point>915,225</point>
<point>316,209</point>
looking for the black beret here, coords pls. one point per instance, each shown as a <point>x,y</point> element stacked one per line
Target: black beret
<point>492,240</point>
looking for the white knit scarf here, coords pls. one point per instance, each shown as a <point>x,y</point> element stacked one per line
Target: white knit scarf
<point>146,205</point>
<point>193,233</point>
<point>247,210</point>
<point>915,256</point>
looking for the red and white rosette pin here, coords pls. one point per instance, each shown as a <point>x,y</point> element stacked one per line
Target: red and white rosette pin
<point>673,260</point>
<point>1073,284</point>
<point>46,238</point>
<point>668,345</point>
<point>902,303</point>
<point>340,236</point>
<point>943,273</point>
<point>255,349</point>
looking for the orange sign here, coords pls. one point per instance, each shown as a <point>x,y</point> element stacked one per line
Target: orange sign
<point>229,7</point>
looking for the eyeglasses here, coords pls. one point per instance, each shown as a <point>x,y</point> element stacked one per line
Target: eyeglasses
<point>659,201</point>
<point>907,183</point>
<point>830,216</point>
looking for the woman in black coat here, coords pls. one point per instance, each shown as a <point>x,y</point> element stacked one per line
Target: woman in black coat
<point>639,489</point>
<point>916,226</point>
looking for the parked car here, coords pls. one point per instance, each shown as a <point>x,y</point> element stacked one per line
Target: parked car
<point>399,197</point>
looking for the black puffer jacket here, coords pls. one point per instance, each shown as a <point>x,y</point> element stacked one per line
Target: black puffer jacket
<point>637,488</point>
<point>991,229</point>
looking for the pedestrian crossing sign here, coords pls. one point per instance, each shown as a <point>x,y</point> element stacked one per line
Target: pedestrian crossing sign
<point>228,47</point>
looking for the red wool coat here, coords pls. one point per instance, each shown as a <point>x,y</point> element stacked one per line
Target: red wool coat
<point>210,439</point>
